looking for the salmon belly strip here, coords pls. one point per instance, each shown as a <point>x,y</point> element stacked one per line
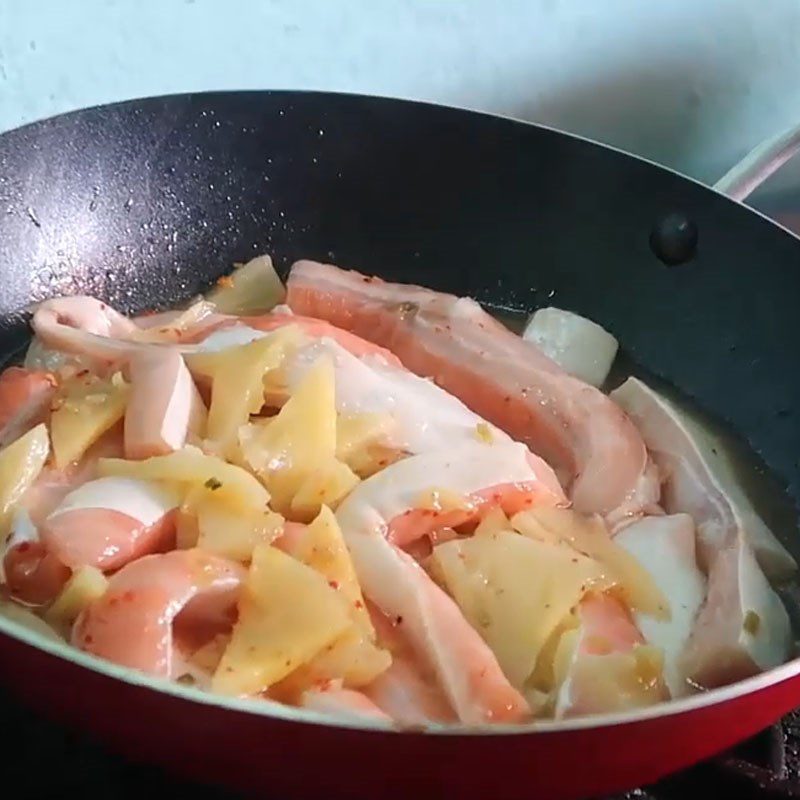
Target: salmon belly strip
<point>33,575</point>
<point>594,447</point>
<point>109,522</point>
<point>408,691</point>
<point>24,398</point>
<point>131,624</point>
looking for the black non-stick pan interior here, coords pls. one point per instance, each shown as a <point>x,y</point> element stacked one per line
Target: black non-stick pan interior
<point>147,202</point>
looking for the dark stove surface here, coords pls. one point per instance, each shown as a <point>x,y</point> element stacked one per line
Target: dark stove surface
<point>42,760</point>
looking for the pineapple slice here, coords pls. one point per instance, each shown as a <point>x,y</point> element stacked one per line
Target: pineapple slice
<point>237,376</point>
<point>294,454</point>
<point>187,530</point>
<point>252,288</point>
<point>514,591</point>
<point>233,534</point>
<point>177,327</point>
<point>208,656</point>
<point>351,659</point>
<point>493,522</point>
<point>360,442</point>
<point>84,587</point>
<point>322,547</point>
<point>327,486</point>
<point>354,656</point>
<point>83,410</point>
<point>442,499</point>
<point>589,535</point>
<point>20,465</point>
<point>287,615</point>
<point>203,473</point>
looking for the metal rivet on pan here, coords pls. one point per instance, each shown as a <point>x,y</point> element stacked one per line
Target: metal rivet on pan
<point>673,239</point>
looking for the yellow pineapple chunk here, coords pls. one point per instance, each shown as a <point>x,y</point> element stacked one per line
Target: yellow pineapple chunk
<point>352,659</point>
<point>288,614</point>
<point>321,547</point>
<point>198,471</point>
<point>370,460</point>
<point>234,534</point>
<point>589,535</point>
<point>208,656</point>
<point>514,591</point>
<point>85,586</point>
<point>354,656</point>
<point>484,433</point>
<point>294,453</point>
<point>441,499</point>
<point>83,410</point>
<point>237,376</point>
<point>187,531</point>
<point>493,522</point>
<point>361,442</point>
<point>177,327</point>
<point>20,465</point>
<point>326,486</point>
<point>252,288</point>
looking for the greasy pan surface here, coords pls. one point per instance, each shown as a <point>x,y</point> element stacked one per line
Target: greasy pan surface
<point>147,202</point>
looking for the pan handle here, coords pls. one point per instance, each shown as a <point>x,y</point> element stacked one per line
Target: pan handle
<point>744,178</point>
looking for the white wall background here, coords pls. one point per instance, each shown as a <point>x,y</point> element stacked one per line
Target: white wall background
<point>691,83</point>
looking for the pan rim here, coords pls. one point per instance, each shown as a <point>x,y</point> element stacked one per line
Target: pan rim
<point>262,707</point>
<point>289,93</point>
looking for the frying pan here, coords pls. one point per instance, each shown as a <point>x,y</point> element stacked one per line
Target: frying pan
<point>147,202</point>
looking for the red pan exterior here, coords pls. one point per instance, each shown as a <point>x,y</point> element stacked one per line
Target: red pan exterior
<point>280,758</point>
